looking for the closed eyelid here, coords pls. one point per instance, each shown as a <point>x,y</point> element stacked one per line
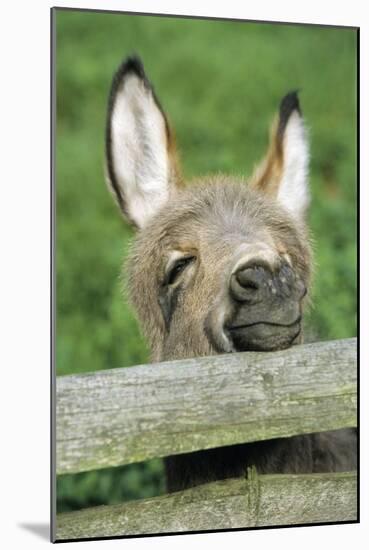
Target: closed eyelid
<point>176,255</point>
<point>174,261</point>
<point>181,263</point>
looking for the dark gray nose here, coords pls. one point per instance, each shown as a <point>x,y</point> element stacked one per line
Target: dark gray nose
<point>251,284</point>
<point>256,283</point>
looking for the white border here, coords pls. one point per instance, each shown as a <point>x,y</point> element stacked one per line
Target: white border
<point>24,218</point>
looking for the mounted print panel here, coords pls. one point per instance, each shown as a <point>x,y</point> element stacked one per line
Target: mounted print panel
<point>204,373</point>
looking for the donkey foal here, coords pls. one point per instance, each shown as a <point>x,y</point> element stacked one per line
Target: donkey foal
<point>219,266</point>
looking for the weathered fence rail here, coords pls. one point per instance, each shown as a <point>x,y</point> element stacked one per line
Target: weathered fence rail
<point>260,501</point>
<point>128,415</point>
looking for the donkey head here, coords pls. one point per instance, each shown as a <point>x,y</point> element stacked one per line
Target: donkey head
<point>220,265</point>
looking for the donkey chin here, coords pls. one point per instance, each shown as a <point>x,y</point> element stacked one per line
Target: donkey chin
<point>264,336</point>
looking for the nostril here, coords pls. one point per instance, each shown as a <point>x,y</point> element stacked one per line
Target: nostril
<point>245,284</point>
<point>248,279</point>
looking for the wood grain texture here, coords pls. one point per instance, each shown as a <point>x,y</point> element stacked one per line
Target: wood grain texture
<point>235,503</point>
<point>121,416</point>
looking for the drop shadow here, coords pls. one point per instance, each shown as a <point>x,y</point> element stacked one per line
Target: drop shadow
<point>42,530</point>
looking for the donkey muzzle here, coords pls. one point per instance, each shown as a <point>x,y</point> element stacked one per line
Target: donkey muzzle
<point>266,307</point>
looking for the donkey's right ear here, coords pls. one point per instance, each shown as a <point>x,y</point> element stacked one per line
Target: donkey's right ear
<point>142,168</point>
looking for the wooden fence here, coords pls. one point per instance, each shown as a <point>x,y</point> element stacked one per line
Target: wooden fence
<point>122,416</point>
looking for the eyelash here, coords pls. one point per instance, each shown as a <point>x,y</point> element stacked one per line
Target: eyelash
<point>177,269</point>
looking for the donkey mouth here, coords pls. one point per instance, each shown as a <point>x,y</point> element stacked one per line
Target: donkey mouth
<point>264,335</point>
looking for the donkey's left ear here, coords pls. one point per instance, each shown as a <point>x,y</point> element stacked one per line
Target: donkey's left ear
<point>284,171</point>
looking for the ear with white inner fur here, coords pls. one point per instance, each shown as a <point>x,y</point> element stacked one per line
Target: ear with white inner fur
<point>142,167</point>
<point>284,171</point>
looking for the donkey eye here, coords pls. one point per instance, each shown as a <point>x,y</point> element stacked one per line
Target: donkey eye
<point>177,268</point>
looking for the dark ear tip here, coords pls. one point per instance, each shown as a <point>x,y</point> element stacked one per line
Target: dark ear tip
<point>131,65</point>
<point>290,102</point>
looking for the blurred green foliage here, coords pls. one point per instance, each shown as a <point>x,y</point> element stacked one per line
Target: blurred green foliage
<point>221,83</point>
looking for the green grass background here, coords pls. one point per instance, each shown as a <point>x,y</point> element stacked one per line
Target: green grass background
<point>221,83</point>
